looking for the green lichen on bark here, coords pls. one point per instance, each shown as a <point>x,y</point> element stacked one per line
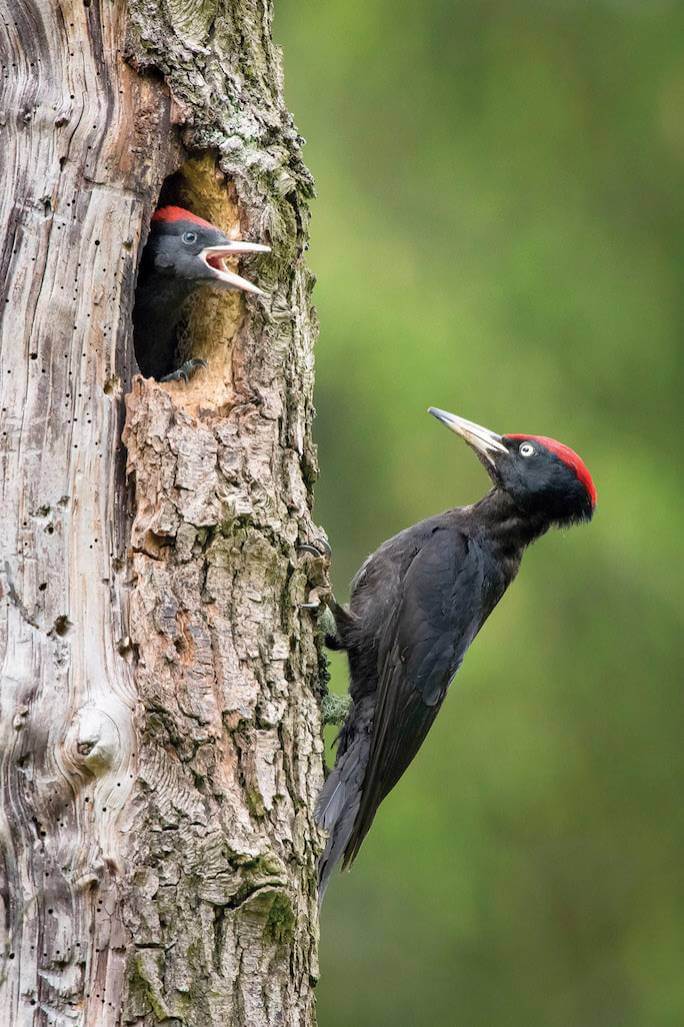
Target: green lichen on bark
<point>230,669</point>
<point>281,919</point>
<point>334,708</point>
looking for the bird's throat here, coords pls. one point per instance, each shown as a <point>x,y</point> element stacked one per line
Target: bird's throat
<point>508,529</point>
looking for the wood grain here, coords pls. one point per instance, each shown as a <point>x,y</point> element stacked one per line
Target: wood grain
<point>160,743</point>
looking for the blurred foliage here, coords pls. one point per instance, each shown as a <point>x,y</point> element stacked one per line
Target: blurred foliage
<point>500,232</point>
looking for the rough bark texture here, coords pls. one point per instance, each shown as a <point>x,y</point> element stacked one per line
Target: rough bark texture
<point>160,745</point>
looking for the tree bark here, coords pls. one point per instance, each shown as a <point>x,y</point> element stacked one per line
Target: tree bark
<point>160,737</point>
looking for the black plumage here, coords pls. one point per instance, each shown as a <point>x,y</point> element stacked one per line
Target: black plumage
<point>183,253</point>
<point>416,605</point>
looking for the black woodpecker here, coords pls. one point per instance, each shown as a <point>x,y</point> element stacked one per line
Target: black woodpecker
<point>416,605</point>
<point>183,252</point>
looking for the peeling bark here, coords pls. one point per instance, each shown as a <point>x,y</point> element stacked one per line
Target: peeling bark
<point>160,743</point>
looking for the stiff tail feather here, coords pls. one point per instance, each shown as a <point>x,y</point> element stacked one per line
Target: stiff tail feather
<point>338,805</point>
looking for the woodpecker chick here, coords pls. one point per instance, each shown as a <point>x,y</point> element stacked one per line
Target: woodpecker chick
<point>183,253</point>
<point>416,605</point>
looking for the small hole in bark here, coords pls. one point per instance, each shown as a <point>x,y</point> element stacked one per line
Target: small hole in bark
<point>62,625</point>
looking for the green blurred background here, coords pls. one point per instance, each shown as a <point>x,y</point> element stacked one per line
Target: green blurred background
<point>500,231</point>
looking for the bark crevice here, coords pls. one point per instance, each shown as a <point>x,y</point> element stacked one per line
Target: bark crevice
<point>160,745</point>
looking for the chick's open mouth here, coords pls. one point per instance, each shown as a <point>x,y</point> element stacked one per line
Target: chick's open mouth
<point>217,260</point>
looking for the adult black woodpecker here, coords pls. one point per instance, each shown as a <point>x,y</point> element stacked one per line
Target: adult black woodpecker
<point>416,605</point>
<point>183,253</point>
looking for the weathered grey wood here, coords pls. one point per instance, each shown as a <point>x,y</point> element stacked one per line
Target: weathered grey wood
<point>160,743</point>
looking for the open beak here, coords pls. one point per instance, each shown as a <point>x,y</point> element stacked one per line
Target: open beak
<point>215,258</point>
<point>485,442</point>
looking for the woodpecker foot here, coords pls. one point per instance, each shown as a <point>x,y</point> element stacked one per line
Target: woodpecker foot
<point>320,549</point>
<point>327,625</point>
<point>333,620</point>
<point>320,552</point>
<point>185,372</point>
<point>318,599</point>
<point>334,708</point>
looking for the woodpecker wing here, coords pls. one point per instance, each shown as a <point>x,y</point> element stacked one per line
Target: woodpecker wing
<point>439,610</point>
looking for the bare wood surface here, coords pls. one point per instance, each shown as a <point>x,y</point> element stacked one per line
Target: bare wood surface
<point>159,731</point>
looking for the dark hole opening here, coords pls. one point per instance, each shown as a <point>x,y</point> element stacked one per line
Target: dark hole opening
<point>188,267</point>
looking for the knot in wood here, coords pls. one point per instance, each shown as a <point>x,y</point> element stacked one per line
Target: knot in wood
<point>94,740</point>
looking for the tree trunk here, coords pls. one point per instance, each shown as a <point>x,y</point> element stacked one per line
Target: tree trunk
<point>160,742</point>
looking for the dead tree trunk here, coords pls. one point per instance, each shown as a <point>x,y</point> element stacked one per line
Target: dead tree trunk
<point>160,744</point>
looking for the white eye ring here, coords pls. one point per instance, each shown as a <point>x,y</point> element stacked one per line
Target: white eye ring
<point>189,237</point>
<point>526,449</point>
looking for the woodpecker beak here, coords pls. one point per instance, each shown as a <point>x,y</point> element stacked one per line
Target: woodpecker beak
<point>214,257</point>
<point>485,442</point>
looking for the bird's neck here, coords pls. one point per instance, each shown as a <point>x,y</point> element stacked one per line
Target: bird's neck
<point>508,529</point>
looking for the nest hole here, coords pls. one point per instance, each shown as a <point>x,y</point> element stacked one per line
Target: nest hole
<point>210,319</point>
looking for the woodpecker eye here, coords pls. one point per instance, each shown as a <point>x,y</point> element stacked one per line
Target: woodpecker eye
<point>526,449</point>
<point>189,238</point>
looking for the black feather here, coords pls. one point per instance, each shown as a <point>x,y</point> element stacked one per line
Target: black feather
<point>417,604</point>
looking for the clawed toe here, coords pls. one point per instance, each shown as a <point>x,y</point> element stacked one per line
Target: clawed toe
<point>320,548</point>
<point>317,599</point>
<point>186,371</point>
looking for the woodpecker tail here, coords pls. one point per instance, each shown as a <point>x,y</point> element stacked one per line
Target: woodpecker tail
<point>338,803</point>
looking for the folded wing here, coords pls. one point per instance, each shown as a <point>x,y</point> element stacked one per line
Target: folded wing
<point>438,612</point>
